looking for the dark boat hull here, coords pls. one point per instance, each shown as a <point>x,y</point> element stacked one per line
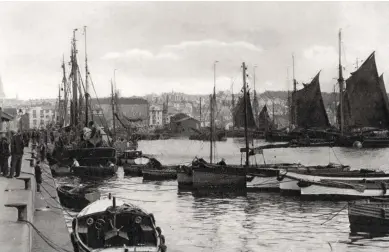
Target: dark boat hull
<point>165,174</point>
<point>72,201</point>
<point>369,218</point>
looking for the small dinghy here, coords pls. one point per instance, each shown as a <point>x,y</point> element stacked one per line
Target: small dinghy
<point>114,226</point>
<point>76,197</point>
<point>167,173</point>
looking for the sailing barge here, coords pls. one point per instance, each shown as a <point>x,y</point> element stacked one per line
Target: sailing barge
<point>365,108</point>
<point>86,151</point>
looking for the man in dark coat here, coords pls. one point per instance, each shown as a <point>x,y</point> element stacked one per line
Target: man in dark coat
<point>4,154</point>
<point>17,150</point>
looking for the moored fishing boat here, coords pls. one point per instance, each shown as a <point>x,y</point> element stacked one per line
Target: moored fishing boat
<point>344,190</point>
<point>369,217</point>
<point>77,197</point>
<point>219,176</point>
<point>290,179</point>
<point>112,225</point>
<point>365,108</point>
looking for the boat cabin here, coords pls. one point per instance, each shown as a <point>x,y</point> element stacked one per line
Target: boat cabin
<point>103,224</point>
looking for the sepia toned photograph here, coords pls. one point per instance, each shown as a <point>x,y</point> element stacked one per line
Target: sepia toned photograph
<point>194,126</point>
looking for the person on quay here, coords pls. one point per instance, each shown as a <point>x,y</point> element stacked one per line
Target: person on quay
<point>38,175</point>
<point>42,150</point>
<point>4,153</point>
<point>17,150</point>
<point>222,162</point>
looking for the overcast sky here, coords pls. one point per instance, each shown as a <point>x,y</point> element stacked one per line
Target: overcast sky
<point>164,46</point>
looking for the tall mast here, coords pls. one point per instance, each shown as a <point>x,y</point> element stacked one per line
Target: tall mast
<point>86,83</point>
<point>113,113</point>
<point>232,102</point>
<point>64,81</point>
<point>294,105</point>
<point>341,82</point>
<point>288,100</point>
<point>200,112</point>
<point>211,128</point>
<point>245,113</point>
<point>74,80</point>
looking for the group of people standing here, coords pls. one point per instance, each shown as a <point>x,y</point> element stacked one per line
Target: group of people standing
<point>12,146</point>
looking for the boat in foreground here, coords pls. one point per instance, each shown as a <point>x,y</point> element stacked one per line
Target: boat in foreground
<point>112,226</point>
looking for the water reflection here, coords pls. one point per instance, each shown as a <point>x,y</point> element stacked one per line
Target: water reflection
<point>225,221</point>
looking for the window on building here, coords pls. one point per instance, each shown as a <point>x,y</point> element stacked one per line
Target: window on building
<point>34,122</point>
<point>34,113</point>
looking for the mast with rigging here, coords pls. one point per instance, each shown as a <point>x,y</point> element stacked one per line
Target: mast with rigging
<point>341,83</point>
<point>86,83</point>
<point>74,80</point>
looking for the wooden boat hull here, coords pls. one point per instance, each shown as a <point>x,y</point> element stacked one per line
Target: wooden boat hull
<point>369,218</point>
<point>184,179</point>
<point>134,169</point>
<point>219,177</point>
<point>165,174</point>
<point>72,200</point>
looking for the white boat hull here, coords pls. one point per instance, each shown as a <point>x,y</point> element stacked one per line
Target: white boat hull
<point>288,185</point>
<point>326,191</point>
<point>264,183</point>
<point>289,182</point>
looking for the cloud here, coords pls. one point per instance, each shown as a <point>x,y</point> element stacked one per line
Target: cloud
<point>140,54</point>
<point>215,44</point>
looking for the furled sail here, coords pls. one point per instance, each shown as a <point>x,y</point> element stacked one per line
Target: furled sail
<point>238,115</point>
<point>310,106</point>
<point>264,121</point>
<point>365,99</point>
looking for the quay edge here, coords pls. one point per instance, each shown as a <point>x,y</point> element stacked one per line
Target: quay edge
<point>41,209</point>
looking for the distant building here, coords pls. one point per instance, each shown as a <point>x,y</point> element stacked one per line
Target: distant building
<point>132,108</point>
<point>183,124</point>
<point>155,115</point>
<point>41,116</point>
<point>5,120</point>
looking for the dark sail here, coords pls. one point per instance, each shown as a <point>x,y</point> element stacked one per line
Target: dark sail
<point>238,115</point>
<point>365,99</point>
<point>264,121</point>
<point>309,106</point>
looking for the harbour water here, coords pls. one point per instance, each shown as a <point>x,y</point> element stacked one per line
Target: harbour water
<point>194,222</point>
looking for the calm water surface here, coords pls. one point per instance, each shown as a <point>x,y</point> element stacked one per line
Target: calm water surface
<point>194,222</point>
